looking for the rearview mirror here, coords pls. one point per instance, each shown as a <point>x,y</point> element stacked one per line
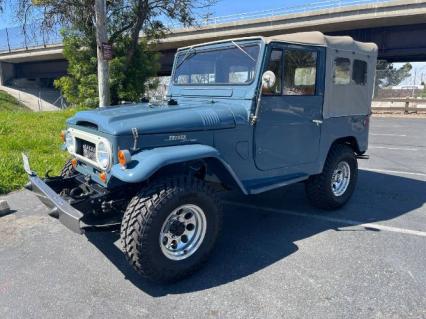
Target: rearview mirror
<point>268,80</point>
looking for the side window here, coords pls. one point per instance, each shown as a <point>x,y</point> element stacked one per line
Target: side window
<point>300,71</point>
<point>359,73</point>
<point>276,67</point>
<point>342,71</point>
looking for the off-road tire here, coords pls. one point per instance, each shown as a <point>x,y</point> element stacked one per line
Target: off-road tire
<point>68,170</point>
<point>145,215</point>
<point>318,187</point>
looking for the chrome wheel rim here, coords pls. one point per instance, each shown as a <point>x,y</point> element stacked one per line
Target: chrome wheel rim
<point>341,178</point>
<point>182,232</point>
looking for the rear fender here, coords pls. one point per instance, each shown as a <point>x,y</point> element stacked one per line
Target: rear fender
<point>146,163</point>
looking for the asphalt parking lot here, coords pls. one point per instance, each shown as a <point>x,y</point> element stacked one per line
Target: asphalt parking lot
<point>277,256</point>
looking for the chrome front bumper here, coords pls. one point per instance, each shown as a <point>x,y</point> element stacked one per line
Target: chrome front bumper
<point>68,215</point>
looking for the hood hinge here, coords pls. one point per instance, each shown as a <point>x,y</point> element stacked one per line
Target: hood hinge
<point>135,139</point>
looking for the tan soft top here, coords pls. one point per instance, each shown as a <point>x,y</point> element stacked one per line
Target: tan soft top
<point>345,43</point>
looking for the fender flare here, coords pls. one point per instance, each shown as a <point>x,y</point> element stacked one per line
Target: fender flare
<point>145,163</point>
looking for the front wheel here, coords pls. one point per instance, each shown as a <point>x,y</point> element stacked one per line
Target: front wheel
<point>335,185</point>
<point>169,230</point>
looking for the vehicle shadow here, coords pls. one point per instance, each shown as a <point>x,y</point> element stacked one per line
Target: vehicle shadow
<point>254,238</point>
<point>9,212</point>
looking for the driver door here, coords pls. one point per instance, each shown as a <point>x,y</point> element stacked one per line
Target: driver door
<point>288,129</point>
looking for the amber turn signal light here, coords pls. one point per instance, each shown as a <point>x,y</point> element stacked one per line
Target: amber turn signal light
<point>103,177</point>
<point>74,162</point>
<point>63,136</point>
<point>124,157</point>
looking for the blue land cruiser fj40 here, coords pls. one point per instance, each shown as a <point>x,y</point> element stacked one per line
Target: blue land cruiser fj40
<point>252,114</point>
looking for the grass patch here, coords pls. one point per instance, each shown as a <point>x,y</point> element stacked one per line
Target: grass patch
<point>36,134</point>
<point>10,104</point>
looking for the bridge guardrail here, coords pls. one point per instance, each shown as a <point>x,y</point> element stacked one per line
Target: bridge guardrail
<point>283,11</point>
<point>13,39</point>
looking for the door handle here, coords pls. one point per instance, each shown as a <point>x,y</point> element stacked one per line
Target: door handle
<point>317,122</point>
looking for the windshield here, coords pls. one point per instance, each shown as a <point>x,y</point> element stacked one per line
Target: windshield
<point>235,64</point>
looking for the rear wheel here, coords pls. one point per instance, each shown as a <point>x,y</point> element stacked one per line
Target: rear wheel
<point>335,185</point>
<point>169,230</point>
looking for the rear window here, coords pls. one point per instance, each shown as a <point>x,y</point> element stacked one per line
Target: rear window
<point>359,73</point>
<point>342,71</point>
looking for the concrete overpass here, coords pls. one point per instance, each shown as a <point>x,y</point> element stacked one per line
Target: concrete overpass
<point>398,28</point>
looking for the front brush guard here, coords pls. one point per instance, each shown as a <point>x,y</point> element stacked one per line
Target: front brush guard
<point>65,207</point>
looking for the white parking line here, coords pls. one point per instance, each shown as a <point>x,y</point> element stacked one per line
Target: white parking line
<point>394,148</point>
<point>332,219</point>
<point>392,171</point>
<point>380,134</point>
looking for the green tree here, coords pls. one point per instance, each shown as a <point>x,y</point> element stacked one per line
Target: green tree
<point>388,75</point>
<point>80,86</point>
<point>126,21</point>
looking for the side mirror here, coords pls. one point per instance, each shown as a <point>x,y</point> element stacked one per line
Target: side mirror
<point>268,80</point>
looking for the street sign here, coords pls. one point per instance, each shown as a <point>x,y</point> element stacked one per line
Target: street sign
<point>107,51</point>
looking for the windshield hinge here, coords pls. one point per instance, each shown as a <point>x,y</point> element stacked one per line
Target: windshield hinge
<point>253,119</point>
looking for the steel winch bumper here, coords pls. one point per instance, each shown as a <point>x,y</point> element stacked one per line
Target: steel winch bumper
<point>68,215</point>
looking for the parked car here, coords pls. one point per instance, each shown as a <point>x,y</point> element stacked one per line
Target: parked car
<point>252,114</point>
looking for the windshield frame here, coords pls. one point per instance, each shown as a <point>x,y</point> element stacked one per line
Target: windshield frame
<point>218,46</point>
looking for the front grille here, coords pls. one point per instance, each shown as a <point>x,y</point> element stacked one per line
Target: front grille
<point>86,149</point>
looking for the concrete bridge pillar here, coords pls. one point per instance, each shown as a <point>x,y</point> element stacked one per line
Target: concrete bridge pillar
<point>7,72</point>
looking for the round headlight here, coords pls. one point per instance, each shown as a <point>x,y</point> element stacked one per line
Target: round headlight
<point>103,155</point>
<point>69,142</point>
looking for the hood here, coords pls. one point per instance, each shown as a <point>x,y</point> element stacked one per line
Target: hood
<point>120,120</point>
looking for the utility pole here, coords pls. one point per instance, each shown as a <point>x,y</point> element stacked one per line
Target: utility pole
<point>103,67</point>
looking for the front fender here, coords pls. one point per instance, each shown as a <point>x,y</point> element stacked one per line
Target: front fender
<point>145,163</point>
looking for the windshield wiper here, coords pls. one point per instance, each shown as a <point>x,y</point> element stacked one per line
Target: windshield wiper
<point>244,51</point>
<point>187,56</point>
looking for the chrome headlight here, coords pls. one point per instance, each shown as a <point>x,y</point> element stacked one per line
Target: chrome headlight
<point>69,142</point>
<point>103,154</point>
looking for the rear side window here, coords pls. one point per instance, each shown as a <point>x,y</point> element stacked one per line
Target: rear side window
<point>359,73</point>
<point>342,71</point>
<point>300,70</point>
